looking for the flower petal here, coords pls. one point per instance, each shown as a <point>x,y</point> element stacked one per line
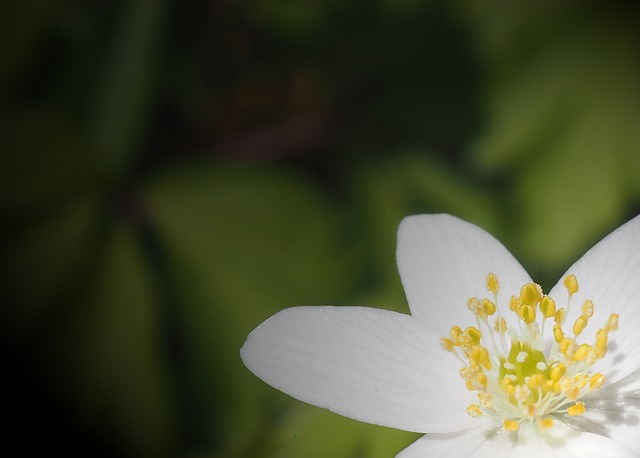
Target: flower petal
<point>492,441</point>
<point>372,365</point>
<point>444,261</point>
<point>614,412</point>
<point>609,275</point>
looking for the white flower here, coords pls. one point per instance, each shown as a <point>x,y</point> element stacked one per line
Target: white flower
<point>486,365</point>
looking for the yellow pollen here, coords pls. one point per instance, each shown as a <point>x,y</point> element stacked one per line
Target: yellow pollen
<point>571,283</point>
<point>480,356</point>
<point>514,304</point>
<point>587,308</point>
<point>511,425</point>
<point>558,371</point>
<point>567,347</point>
<point>545,423</point>
<point>470,337</point>
<point>577,409</point>
<point>582,352</point>
<point>547,307</point>
<point>474,410</point>
<point>536,381</point>
<point>473,305</point>
<point>485,399</point>
<point>455,334</point>
<point>535,372</point>
<point>557,333</point>
<point>447,344</point>
<point>527,313</point>
<point>493,284</point>
<point>596,381</point>
<point>602,336</point>
<point>488,307</point>
<point>530,294</point>
<point>580,324</point>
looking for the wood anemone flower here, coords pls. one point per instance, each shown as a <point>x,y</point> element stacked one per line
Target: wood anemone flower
<point>487,364</point>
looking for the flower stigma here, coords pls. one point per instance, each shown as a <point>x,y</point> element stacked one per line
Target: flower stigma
<point>519,379</point>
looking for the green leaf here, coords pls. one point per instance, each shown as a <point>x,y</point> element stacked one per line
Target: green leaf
<point>563,96</point>
<point>42,262</point>
<point>105,358</point>
<point>317,433</point>
<point>411,183</point>
<point>22,29</point>
<point>124,94</point>
<point>44,162</point>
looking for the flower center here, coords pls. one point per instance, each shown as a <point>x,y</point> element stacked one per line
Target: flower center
<point>524,378</point>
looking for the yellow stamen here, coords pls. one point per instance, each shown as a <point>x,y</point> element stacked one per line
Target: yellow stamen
<point>580,324</point>
<point>587,308</point>
<point>571,283</point>
<point>547,307</point>
<point>530,294</point>
<point>526,377</point>
<point>527,313</point>
<point>596,381</point>
<point>511,425</point>
<point>493,284</point>
<point>545,423</point>
<point>558,334</point>
<point>577,409</point>
<point>474,410</point>
<point>488,307</point>
<point>447,344</point>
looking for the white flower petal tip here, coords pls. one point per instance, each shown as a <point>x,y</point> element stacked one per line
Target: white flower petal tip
<point>444,260</point>
<point>488,365</point>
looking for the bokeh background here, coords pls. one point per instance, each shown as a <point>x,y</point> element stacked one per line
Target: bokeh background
<point>174,172</point>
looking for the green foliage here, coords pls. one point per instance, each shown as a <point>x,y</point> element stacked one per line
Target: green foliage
<point>173,173</point>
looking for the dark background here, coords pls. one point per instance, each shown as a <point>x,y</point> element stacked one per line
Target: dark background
<point>174,172</point>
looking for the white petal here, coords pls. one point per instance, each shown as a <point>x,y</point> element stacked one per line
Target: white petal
<point>614,412</point>
<point>444,261</point>
<point>609,275</point>
<point>494,442</point>
<point>372,365</point>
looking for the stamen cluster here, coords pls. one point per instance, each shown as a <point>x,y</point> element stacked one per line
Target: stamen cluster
<point>519,379</point>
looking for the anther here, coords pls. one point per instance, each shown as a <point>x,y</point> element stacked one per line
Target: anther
<point>446,344</point>
<point>474,410</point>
<point>587,308</point>
<point>511,425</point>
<point>558,371</point>
<point>580,324</point>
<point>527,313</point>
<point>530,294</point>
<point>488,307</point>
<point>577,409</point>
<point>558,334</point>
<point>547,307</point>
<point>596,381</point>
<point>602,337</point>
<point>455,334</point>
<point>493,284</point>
<point>571,283</point>
<point>545,423</point>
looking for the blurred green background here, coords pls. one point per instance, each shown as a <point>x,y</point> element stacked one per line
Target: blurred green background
<point>174,172</point>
